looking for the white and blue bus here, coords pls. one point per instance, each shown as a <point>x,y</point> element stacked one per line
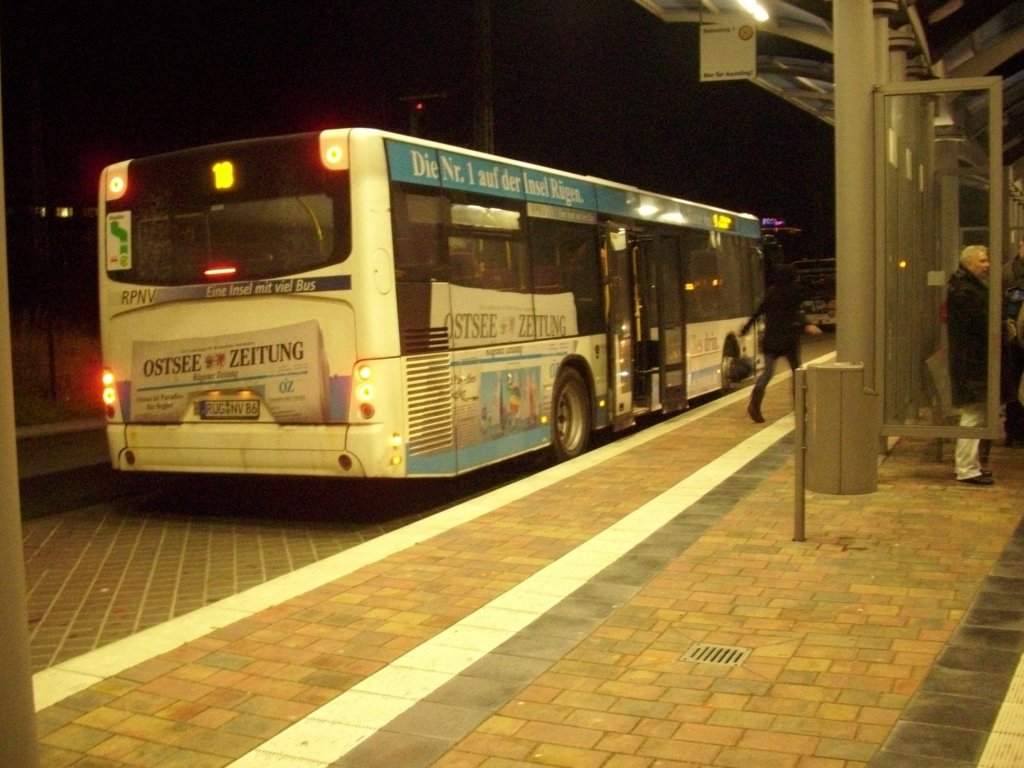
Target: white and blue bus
<point>365,304</point>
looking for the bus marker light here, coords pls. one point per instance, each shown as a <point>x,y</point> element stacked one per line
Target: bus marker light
<point>365,392</point>
<point>396,440</point>
<point>345,462</point>
<point>116,180</point>
<point>334,156</point>
<point>364,372</point>
<point>396,460</point>
<point>367,410</point>
<point>334,149</point>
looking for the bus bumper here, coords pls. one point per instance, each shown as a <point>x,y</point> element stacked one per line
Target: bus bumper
<point>270,449</point>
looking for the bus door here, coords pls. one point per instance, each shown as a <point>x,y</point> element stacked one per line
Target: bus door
<point>646,331</point>
<point>671,328</point>
<point>659,362</point>
<point>617,276</point>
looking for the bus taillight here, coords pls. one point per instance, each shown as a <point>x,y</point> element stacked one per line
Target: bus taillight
<point>109,392</point>
<point>364,391</point>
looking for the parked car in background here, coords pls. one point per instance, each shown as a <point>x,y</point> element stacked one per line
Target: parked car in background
<point>817,279</point>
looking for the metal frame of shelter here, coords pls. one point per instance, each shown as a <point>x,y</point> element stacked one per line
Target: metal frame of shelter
<point>941,168</point>
<point>940,39</point>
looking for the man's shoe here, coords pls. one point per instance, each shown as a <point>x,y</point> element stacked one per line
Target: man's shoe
<point>978,480</point>
<point>986,472</point>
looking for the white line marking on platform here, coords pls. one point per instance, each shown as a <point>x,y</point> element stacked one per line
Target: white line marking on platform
<point>56,683</point>
<point>349,719</point>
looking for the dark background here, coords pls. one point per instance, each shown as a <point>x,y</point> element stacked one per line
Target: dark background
<point>599,87</point>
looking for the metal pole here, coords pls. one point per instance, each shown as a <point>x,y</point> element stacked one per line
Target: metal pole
<point>854,36</point>
<point>800,457</point>
<point>483,123</point>
<point>18,732</point>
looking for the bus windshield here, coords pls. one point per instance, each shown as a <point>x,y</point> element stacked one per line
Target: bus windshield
<point>239,213</point>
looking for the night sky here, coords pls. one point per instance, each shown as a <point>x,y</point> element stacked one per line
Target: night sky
<point>600,87</point>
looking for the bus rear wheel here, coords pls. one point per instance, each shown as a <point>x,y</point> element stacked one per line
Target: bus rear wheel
<point>570,411</point>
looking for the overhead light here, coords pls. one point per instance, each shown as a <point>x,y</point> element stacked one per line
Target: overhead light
<point>755,9</point>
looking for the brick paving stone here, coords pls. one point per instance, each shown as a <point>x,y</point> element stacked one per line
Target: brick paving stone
<point>842,627</point>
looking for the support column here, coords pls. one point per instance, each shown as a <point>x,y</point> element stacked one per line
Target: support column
<point>17,707</point>
<point>854,36</point>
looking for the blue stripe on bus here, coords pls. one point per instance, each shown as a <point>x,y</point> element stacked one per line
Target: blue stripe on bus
<point>431,167</point>
<point>507,358</point>
<point>443,462</point>
<point>427,166</point>
<point>283,286</point>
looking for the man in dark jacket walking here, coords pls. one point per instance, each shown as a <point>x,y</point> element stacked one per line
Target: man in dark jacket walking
<point>784,322</point>
<point>967,320</point>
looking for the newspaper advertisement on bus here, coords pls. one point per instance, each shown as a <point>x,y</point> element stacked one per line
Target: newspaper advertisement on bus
<point>232,377</point>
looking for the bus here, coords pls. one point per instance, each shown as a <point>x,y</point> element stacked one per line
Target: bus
<point>359,303</point>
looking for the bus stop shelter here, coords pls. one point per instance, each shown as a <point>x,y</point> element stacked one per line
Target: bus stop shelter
<point>927,101</point>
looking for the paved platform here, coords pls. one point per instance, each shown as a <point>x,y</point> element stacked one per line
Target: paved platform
<point>644,605</point>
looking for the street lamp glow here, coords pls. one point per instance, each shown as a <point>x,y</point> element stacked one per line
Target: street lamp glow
<point>755,9</point>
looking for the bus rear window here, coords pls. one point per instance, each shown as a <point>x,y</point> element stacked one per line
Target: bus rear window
<point>284,214</point>
<point>259,239</point>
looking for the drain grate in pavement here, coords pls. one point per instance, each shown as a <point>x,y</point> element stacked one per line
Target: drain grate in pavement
<point>730,655</point>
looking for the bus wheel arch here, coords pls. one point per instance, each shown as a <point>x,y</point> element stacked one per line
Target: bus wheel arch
<point>571,414</point>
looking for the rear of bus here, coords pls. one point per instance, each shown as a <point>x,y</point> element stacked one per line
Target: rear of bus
<point>231,285</point>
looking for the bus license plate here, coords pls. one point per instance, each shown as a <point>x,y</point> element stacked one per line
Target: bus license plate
<point>238,410</point>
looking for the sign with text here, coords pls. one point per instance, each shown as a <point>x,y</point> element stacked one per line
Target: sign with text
<point>442,168</point>
<point>283,366</point>
<point>728,51</point>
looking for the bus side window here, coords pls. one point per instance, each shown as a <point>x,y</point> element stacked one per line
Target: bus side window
<point>417,223</point>
<point>503,260</point>
<point>546,279</point>
<point>487,262</point>
<point>564,259</point>
<point>462,260</point>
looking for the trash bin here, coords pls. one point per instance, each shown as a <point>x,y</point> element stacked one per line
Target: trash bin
<point>841,430</point>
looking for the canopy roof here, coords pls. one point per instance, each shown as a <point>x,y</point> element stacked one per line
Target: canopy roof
<point>944,39</point>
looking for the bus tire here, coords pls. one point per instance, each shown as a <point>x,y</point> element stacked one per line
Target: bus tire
<point>730,365</point>
<point>570,416</point>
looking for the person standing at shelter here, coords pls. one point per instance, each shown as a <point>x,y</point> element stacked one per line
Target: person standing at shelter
<point>784,323</point>
<point>967,321</point>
